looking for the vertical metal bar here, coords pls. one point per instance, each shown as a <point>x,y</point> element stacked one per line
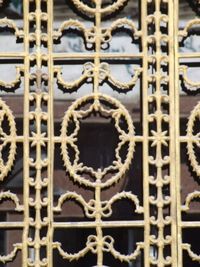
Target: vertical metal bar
<point>50,131</point>
<point>26,133</point>
<point>172,13</point>
<point>157,218</point>
<point>159,241</point>
<point>177,133</point>
<point>98,204</point>
<point>97,46</point>
<point>144,26</point>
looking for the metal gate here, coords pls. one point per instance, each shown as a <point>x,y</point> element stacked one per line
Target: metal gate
<point>160,69</point>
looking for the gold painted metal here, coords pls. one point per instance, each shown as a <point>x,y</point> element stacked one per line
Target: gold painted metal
<point>161,207</point>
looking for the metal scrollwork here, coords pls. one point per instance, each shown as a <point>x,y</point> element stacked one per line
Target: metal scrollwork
<point>88,73</point>
<point>185,32</point>
<point>91,11</point>
<point>9,257</point>
<point>13,84</point>
<point>117,112</point>
<point>7,139</point>
<point>189,84</point>
<point>104,76</point>
<point>192,255</point>
<point>5,22</point>
<point>193,139</point>
<point>192,196</point>
<point>150,141</point>
<point>8,195</point>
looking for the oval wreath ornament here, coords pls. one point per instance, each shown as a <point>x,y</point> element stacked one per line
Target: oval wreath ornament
<point>7,140</point>
<point>110,108</point>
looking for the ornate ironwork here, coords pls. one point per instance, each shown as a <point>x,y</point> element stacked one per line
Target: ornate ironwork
<point>160,74</point>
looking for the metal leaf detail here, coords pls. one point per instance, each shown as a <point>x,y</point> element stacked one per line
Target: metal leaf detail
<point>193,139</point>
<point>117,112</point>
<point>7,139</point>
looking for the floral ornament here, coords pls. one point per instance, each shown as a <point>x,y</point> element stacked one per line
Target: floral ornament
<point>7,140</point>
<point>107,107</point>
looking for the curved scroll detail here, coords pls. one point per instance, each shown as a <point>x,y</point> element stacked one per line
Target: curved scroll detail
<point>91,245</point>
<point>89,34</point>
<point>189,25</point>
<point>193,139</point>
<point>107,246</point>
<point>166,261</point>
<point>7,140</point>
<point>77,112</point>
<point>114,7</point>
<point>162,18</point>
<point>13,84</point>
<point>88,72</point>
<point>125,85</point>
<point>70,256</point>
<point>13,197</point>
<point>189,84</point>
<point>192,255</point>
<point>123,23</point>
<point>69,196</point>
<point>5,22</point>
<point>104,11</point>
<point>42,263</point>
<point>104,76</point>
<point>6,258</point>
<point>190,197</point>
<point>106,206</point>
<point>88,207</point>
<point>126,258</point>
<point>123,195</point>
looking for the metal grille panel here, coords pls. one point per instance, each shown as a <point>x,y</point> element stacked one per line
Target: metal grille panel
<point>160,69</point>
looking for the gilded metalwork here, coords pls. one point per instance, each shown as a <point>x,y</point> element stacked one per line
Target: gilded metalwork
<point>7,139</point>
<point>193,139</point>
<point>190,139</point>
<point>158,210</point>
<point>75,114</point>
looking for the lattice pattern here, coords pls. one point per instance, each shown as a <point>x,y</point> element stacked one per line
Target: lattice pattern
<point>190,139</point>
<point>160,73</point>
